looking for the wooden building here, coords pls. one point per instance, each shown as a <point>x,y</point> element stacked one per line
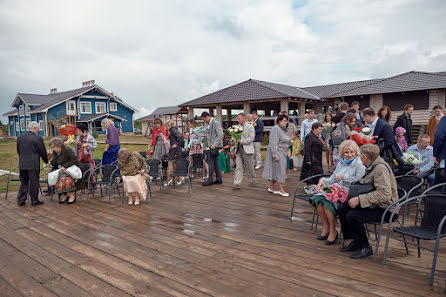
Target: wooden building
<point>174,113</point>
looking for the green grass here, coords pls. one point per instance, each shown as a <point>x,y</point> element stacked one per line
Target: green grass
<point>9,158</point>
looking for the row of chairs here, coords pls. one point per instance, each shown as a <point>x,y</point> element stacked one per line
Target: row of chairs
<point>429,219</point>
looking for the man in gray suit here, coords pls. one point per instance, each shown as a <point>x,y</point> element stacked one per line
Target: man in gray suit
<point>245,152</point>
<point>215,141</point>
<point>30,148</point>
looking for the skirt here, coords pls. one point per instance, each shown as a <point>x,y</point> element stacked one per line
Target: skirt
<point>195,148</point>
<point>321,200</point>
<point>65,183</point>
<point>135,184</point>
<point>111,155</point>
<point>224,161</point>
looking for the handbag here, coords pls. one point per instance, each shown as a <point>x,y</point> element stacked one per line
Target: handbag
<point>53,177</point>
<point>214,152</point>
<point>357,189</point>
<point>75,172</point>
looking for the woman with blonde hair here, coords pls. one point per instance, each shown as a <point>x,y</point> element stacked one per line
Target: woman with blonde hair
<point>348,170</point>
<point>133,169</point>
<point>112,146</point>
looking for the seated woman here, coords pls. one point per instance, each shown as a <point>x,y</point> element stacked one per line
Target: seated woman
<point>367,207</point>
<point>133,169</point>
<point>63,158</point>
<point>348,170</point>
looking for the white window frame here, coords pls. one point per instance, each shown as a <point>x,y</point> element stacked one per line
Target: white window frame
<point>27,124</point>
<point>12,122</point>
<point>17,126</point>
<point>21,110</point>
<point>22,125</point>
<point>96,104</point>
<point>27,109</point>
<point>85,103</point>
<point>115,106</point>
<point>71,111</point>
<point>41,125</point>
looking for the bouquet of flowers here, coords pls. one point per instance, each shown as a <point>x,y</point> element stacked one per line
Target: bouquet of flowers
<point>362,136</point>
<point>327,128</point>
<point>412,158</point>
<point>335,193</point>
<point>236,132</point>
<point>69,131</point>
<point>254,124</point>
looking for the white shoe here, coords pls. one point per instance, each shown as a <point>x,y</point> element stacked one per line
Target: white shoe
<point>295,169</point>
<point>258,167</point>
<point>272,191</point>
<point>282,194</point>
<point>168,183</point>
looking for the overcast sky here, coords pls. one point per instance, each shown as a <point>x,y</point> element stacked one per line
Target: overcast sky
<point>158,53</point>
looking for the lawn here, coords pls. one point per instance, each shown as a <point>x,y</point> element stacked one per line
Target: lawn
<point>9,158</point>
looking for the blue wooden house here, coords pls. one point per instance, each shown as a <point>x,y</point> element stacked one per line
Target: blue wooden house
<point>89,104</point>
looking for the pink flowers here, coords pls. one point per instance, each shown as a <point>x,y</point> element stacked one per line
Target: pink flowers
<point>335,193</point>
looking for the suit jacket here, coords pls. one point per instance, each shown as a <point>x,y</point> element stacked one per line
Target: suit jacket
<point>215,134</point>
<point>440,140</point>
<point>31,148</point>
<point>259,130</point>
<point>405,122</point>
<point>383,130</point>
<point>247,138</point>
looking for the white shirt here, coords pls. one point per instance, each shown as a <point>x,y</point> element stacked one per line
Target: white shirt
<point>305,128</point>
<point>372,126</point>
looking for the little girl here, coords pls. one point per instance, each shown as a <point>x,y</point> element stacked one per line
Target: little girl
<point>400,139</point>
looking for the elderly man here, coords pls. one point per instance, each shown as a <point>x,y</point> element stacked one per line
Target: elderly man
<point>30,148</point>
<point>423,148</point>
<point>245,152</point>
<point>258,138</point>
<point>215,141</point>
<point>367,207</point>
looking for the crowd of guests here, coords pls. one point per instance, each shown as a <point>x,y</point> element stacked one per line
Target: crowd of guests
<point>288,147</point>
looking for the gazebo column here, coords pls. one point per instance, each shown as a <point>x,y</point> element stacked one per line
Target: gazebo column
<point>211,111</point>
<point>284,106</point>
<point>228,112</point>
<point>247,108</point>
<point>190,112</point>
<point>219,114</point>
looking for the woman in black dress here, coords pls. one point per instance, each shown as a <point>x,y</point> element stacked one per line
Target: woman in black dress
<point>314,144</point>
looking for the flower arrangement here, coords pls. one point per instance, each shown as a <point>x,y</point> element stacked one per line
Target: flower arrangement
<point>254,124</point>
<point>69,131</point>
<point>412,158</point>
<point>236,132</point>
<point>335,193</point>
<point>362,136</point>
<point>327,128</point>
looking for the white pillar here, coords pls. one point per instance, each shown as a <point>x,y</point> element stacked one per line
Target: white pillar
<point>190,112</point>
<point>219,115</point>
<point>247,108</point>
<point>284,105</point>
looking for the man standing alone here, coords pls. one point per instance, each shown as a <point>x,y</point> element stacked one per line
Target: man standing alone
<point>405,121</point>
<point>245,152</point>
<point>215,141</point>
<point>258,139</point>
<point>30,148</point>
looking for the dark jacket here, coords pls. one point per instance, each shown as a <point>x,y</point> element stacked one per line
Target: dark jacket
<point>31,148</point>
<point>406,122</point>
<point>313,152</point>
<point>440,140</point>
<point>259,130</point>
<point>175,137</point>
<point>383,130</point>
<point>66,159</point>
<point>338,117</point>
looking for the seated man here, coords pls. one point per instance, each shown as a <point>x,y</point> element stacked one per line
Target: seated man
<point>423,148</point>
<point>367,207</point>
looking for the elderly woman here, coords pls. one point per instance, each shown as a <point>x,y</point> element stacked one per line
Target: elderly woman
<point>370,206</point>
<point>63,158</point>
<point>314,144</point>
<point>133,169</point>
<point>176,146</point>
<point>349,170</point>
<point>276,156</point>
<point>112,146</point>
<point>85,145</point>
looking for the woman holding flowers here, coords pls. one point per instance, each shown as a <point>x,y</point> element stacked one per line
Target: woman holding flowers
<point>276,156</point>
<point>335,189</point>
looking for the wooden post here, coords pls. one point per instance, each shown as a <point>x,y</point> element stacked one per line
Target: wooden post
<point>190,113</point>
<point>247,107</point>
<point>284,106</point>
<point>219,115</point>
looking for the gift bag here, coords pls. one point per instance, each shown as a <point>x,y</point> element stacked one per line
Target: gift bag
<point>53,177</point>
<point>75,172</point>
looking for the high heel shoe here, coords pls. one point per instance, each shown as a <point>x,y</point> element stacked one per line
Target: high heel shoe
<point>63,201</point>
<point>322,237</point>
<point>330,242</point>
<point>169,183</point>
<point>68,202</point>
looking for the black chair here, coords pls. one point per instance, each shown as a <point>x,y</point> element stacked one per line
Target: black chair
<point>155,170</point>
<point>97,162</point>
<point>11,179</point>
<point>198,162</point>
<point>436,189</point>
<point>43,180</point>
<point>432,226</point>
<point>86,172</point>
<point>182,169</point>
<point>105,176</point>
<point>412,184</point>
<point>306,198</point>
<point>143,154</point>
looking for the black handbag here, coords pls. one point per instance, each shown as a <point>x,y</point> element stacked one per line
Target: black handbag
<point>214,152</point>
<point>357,189</point>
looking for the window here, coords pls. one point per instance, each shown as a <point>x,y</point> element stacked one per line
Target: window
<point>100,107</point>
<point>27,109</point>
<point>21,110</point>
<point>27,123</point>
<point>41,125</point>
<point>113,106</point>
<point>85,107</point>
<point>17,126</point>
<point>22,125</point>
<point>71,107</point>
<point>11,122</point>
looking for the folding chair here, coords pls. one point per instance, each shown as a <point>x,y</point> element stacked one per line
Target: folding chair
<point>198,162</point>
<point>105,175</point>
<point>306,197</point>
<point>155,170</point>
<point>412,185</point>
<point>432,225</point>
<point>11,179</point>
<point>182,169</point>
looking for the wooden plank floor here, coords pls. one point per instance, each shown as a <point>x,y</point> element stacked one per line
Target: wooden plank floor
<point>215,242</point>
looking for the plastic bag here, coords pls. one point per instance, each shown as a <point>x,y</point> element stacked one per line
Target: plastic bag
<point>75,172</point>
<point>53,177</point>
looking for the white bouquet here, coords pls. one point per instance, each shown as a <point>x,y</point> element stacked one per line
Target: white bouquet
<point>236,132</point>
<point>412,158</point>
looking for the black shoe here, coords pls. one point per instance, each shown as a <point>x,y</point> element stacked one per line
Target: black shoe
<point>330,242</point>
<point>207,184</point>
<point>21,204</point>
<point>322,237</point>
<point>37,203</point>
<point>68,202</point>
<point>217,182</point>
<point>362,253</point>
<point>349,248</point>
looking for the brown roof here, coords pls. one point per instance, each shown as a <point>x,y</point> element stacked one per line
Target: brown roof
<point>165,110</point>
<point>11,113</point>
<point>326,91</point>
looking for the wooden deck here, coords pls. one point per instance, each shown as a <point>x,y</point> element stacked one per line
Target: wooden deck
<point>215,242</point>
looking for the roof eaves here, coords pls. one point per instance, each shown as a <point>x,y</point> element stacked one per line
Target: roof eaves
<point>283,93</point>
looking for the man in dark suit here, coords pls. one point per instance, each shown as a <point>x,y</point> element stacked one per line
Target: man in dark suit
<point>258,139</point>
<point>355,106</point>
<point>380,128</point>
<point>405,121</point>
<point>30,148</point>
<point>215,141</point>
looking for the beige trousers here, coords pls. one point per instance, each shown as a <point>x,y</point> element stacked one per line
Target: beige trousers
<point>243,160</point>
